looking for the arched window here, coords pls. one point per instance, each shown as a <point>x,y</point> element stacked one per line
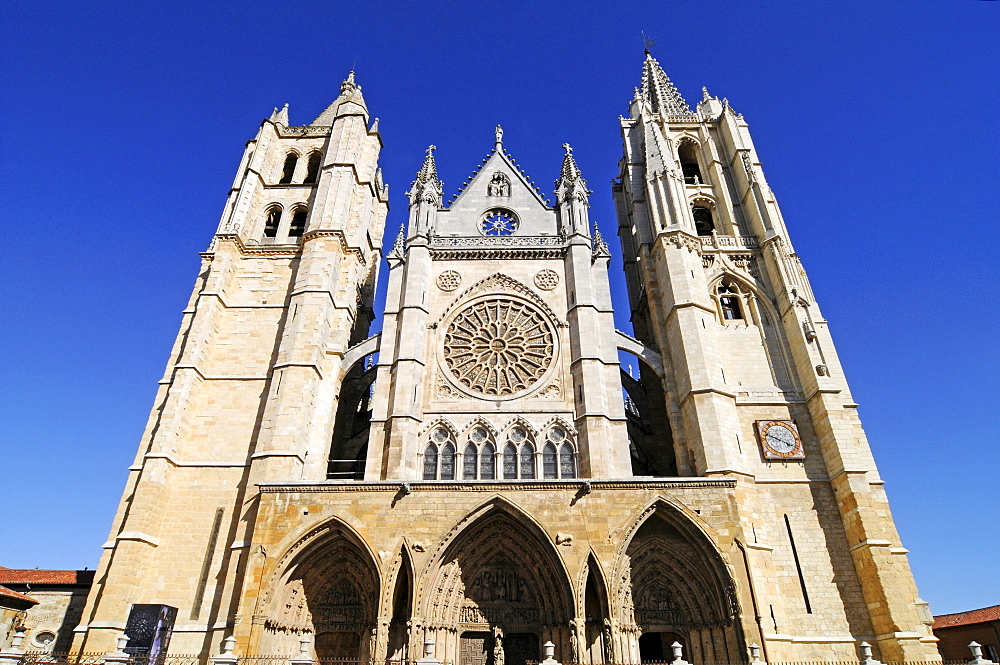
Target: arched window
<point>487,463</point>
<point>567,461</point>
<point>509,461</point>
<point>527,461</point>
<point>430,462</point>
<point>550,461</point>
<point>687,152</point>
<point>288,170</point>
<point>729,299</point>
<point>312,170</point>
<point>448,462</point>
<point>469,462</point>
<point>272,222</point>
<point>298,225</point>
<point>703,223</point>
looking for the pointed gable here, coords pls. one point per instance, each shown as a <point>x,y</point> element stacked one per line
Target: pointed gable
<point>497,183</point>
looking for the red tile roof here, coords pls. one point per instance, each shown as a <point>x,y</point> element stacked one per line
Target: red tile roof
<point>984,615</point>
<point>34,576</point>
<point>14,595</point>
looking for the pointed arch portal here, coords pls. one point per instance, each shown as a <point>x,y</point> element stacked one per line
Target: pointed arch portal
<point>674,586</point>
<point>498,594</point>
<point>329,590</point>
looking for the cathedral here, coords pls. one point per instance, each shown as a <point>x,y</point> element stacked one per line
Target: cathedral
<point>481,478</point>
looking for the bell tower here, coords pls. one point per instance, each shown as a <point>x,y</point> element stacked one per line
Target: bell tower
<point>255,376</point>
<point>752,388</point>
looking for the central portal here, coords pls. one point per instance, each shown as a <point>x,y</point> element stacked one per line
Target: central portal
<point>482,648</point>
<point>500,591</point>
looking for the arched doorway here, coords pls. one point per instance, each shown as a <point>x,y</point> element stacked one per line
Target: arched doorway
<point>330,590</point>
<point>499,593</point>
<point>676,588</point>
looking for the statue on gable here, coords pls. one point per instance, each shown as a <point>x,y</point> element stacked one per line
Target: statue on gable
<point>499,185</point>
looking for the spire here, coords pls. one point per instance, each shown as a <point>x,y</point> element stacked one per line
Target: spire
<point>427,188</point>
<point>657,89</point>
<point>350,102</point>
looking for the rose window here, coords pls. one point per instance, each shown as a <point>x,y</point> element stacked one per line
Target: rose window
<point>499,347</point>
<point>498,222</point>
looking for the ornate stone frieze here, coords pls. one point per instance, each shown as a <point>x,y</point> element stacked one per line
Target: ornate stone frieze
<point>681,240</point>
<point>494,241</point>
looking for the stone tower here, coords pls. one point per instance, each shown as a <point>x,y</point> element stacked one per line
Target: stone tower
<point>253,380</point>
<point>472,478</point>
<point>752,387</point>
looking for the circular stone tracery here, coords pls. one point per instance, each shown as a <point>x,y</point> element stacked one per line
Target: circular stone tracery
<point>499,346</point>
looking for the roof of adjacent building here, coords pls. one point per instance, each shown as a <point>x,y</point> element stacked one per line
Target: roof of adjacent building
<point>10,576</point>
<point>18,598</point>
<point>982,615</point>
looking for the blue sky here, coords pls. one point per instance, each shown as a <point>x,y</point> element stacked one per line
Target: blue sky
<point>123,124</point>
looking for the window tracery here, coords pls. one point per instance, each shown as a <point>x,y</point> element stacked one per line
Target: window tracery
<point>498,222</point>
<point>499,347</point>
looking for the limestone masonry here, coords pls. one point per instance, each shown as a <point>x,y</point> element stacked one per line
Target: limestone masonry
<point>482,475</point>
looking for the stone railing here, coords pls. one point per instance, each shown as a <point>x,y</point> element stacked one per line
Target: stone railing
<point>716,241</point>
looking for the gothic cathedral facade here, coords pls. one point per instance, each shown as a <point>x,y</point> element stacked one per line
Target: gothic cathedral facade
<point>481,477</point>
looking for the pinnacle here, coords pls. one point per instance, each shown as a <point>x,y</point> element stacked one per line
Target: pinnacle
<point>658,90</point>
<point>570,171</point>
<point>428,170</point>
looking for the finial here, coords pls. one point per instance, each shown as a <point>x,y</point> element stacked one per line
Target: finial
<point>499,135</point>
<point>431,149</point>
<point>647,43</point>
<point>567,148</point>
<point>348,85</point>
<point>704,94</point>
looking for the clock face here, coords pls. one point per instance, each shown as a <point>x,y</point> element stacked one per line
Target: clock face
<point>780,440</point>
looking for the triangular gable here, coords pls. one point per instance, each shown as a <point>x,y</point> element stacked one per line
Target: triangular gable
<point>498,160</point>
<point>511,191</point>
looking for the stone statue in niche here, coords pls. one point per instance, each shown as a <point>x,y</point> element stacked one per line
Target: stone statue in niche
<point>499,185</point>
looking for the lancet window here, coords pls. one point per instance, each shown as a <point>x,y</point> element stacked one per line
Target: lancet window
<point>558,455</point>
<point>439,455</point>
<point>288,169</point>
<point>729,301</point>
<point>312,169</point>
